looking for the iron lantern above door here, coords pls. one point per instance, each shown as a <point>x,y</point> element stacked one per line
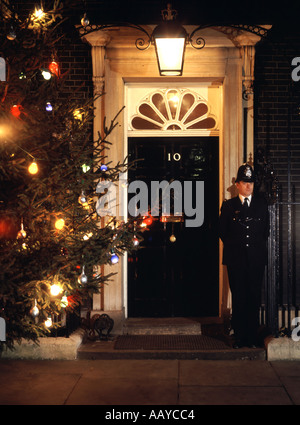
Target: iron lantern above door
<point>170,40</point>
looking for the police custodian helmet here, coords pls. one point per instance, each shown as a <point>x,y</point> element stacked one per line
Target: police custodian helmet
<point>245,174</point>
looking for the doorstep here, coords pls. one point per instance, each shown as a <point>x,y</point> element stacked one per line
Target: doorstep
<point>108,350</point>
<point>78,347</point>
<point>162,326</point>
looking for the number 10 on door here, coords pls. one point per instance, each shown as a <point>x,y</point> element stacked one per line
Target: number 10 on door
<point>175,156</point>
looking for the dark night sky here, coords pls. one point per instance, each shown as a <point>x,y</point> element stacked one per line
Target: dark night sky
<point>283,15</point>
<point>197,11</point>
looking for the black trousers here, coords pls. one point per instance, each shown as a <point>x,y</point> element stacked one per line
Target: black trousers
<point>245,285</point>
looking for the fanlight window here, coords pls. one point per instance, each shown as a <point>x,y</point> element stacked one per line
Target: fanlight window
<point>173,110</point>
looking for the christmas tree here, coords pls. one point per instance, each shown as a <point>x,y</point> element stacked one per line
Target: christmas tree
<point>53,241</point>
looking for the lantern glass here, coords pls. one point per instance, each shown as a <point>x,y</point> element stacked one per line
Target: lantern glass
<point>170,54</point>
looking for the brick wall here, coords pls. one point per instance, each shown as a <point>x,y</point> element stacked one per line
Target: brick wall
<point>277,125</point>
<point>277,101</point>
<point>74,56</point>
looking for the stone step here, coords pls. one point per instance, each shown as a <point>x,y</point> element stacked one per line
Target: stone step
<point>162,326</point>
<point>108,350</point>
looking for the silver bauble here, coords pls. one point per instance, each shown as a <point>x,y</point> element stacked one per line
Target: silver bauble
<point>11,35</point>
<point>83,277</point>
<point>34,311</point>
<point>85,21</point>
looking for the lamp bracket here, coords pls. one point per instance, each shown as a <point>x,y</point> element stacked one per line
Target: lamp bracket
<point>253,29</point>
<point>143,43</point>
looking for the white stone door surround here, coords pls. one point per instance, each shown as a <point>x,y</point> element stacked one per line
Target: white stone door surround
<point>225,63</point>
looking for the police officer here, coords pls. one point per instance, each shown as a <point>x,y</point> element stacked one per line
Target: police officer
<point>244,228</point>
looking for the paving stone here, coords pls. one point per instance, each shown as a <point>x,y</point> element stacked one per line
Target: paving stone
<point>230,395</point>
<point>233,373</point>
<point>36,388</point>
<point>91,390</point>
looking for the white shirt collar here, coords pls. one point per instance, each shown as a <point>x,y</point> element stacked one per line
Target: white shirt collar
<point>243,197</point>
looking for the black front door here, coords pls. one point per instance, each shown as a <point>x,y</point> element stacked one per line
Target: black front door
<point>175,273</point>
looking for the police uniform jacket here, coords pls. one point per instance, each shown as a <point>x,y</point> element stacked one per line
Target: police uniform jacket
<point>244,236</point>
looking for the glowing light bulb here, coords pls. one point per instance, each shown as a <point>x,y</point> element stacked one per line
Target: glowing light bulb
<point>55,289</point>
<point>4,131</point>
<point>87,236</point>
<point>173,97</point>
<point>46,74</point>
<point>85,168</point>
<point>33,168</point>
<point>78,114</point>
<point>48,322</point>
<point>38,13</point>
<point>64,301</point>
<point>103,167</point>
<point>49,107</point>
<point>59,224</point>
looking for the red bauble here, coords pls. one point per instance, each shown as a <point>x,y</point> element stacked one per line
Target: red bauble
<point>16,110</point>
<point>148,221</point>
<point>54,68</point>
<point>8,228</point>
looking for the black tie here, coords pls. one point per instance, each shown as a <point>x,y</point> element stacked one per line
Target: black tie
<point>245,207</point>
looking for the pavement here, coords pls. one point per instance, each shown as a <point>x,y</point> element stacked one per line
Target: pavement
<point>149,382</point>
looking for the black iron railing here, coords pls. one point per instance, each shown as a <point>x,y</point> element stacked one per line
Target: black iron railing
<point>281,298</point>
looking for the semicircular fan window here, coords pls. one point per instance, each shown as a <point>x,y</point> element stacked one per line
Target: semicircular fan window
<point>173,110</point>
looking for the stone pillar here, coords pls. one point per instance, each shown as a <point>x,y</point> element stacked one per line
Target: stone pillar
<point>248,55</point>
<point>98,40</point>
